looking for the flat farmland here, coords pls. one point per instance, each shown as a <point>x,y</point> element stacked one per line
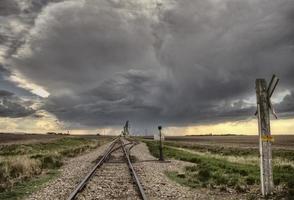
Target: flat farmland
<point>280,141</point>
<point>229,163</point>
<point>9,138</point>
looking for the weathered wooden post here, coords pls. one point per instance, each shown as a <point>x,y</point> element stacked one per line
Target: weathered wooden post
<point>263,95</point>
<point>160,144</point>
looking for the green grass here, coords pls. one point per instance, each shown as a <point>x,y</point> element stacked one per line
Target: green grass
<point>231,151</point>
<point>22,189</point>
<point>61,145</point>
<point>220,173</point>
<point>22,166</point>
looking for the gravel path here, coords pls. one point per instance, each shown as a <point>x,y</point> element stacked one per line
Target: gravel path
<point>158,186</point>
<point>70,175</point>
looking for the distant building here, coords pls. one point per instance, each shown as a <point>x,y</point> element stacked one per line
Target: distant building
<point>157,138</point>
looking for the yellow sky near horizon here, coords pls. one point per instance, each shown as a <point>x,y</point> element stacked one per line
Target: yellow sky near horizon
<point>245,127</point>
<point>248,127</point>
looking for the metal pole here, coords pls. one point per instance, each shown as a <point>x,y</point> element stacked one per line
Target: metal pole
<point>265,138</point>
<point>160,145</point>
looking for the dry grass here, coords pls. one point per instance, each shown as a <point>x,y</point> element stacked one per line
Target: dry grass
<point>239,159</point>
<point>10,138</point>
<point>16,169</point>
<point>24,165</point>
<point>223,171</point>
<point>244,141</point>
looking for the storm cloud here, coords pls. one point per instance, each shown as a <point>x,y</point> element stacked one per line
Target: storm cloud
<point>12,106</point>
<point>174,62</point>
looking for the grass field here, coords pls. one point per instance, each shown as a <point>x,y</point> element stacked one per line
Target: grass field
<point>240,141</point>
<point>9,138</point>
<point>24,167</point>
<point>227,167</point>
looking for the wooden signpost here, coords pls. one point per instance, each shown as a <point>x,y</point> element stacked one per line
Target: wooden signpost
<point>264,106</point>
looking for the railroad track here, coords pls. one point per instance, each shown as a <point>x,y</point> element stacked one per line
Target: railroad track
<point>112,177</point>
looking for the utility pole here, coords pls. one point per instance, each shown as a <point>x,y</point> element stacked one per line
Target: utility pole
<point>263,95</point>
<point>160,145</point>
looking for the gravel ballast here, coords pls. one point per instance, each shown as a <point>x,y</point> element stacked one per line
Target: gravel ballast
<point>71,173</point>
<point>150,171</point>
<point>111,181</point>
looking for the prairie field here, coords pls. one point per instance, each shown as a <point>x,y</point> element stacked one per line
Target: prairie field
<point>9,138</point>
<point>229,163</point>
<point>29,161</point>
<point>280,141</point>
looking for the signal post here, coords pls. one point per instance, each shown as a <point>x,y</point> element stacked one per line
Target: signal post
<point>160,144</point>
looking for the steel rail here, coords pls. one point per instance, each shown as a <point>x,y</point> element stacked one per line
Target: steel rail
<point>90,174</point>
<point>120,147</point>
<point>133,172</point>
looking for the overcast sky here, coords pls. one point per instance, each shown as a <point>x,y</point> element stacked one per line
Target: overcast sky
<point>86,64</point>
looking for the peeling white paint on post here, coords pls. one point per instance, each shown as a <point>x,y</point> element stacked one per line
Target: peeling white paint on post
<point>263,95</point>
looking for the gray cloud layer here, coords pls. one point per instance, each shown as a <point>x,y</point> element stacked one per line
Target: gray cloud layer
<point>12,106</point>
<point>179,62</point>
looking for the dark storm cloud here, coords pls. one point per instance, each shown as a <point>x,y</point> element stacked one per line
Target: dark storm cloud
<point>286,107</point>
<point>16,19</point>
<point>184,62</point>
<point>125,96</point>
<point>93,43</point>
<point>7,85</point>
<point>4,93</point>
<point>8,7</point>
<point>12,106</point>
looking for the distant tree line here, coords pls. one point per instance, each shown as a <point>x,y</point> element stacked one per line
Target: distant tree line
<point>54,133</point>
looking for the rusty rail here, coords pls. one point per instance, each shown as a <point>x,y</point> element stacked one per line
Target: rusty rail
<point>133,173</point>
<point>106,154</point>
<point>90,174</point>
